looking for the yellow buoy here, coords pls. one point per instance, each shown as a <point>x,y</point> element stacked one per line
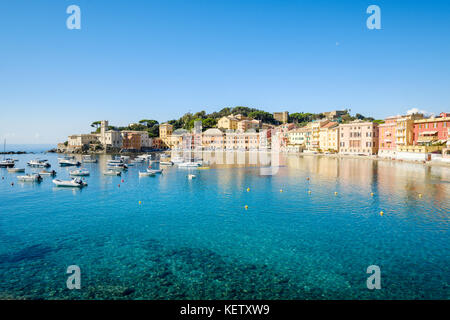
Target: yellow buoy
<point>381,213</point>
<point>420,195</point>
<point>140,202</point>
<point>281,190</point>
<point>309,191</point>
<point>248,189</point>
<point>335,193</point>
<point>371,194</point>
<point>246,207</point>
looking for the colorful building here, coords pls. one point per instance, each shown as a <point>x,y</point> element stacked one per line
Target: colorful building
<point>131,140</point>
<point>358,137</point>
<point>283,117</point>
<point>432,130</point>
<point>329,137</point>
<point>315,135</point>
<point>213,139</point>
<point>228,123</point>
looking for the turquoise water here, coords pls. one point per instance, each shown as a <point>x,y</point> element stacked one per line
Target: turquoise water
<point>193,239</point>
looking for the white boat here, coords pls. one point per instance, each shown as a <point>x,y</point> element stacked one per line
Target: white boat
<point>88,159</point>
<point>154,170</point>
<point>68,162</point>
<point>112,173</point>
<point>137,160</point>
<point>74,183</point>
<point>146,174</point>
<point>177,160</point>
<point>30,178</point>
<point>166,163</point>
<point>36,163</point>
<point>189,165</point>
<point>164,156</point>
<point>144,157</point>
<point>13,170</point>
<point>79,172</point>
<point>7,163</point>
<point>117,166</point>
<point>191,176</point>
<point>47,173</point>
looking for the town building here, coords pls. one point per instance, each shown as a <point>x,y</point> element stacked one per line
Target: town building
<point>432,130</point>
<point>213,139</point>
<point>81,140</point>
<point>228,123</point>
<point>358,137</point>
<point>334,115</point>
<point>315,135</point>
<point>329,137</point>
<point>282,117</point>
<point>245,125</point>
<point>131,140</point>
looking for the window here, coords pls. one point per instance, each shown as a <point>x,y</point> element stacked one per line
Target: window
<point>435,124</point>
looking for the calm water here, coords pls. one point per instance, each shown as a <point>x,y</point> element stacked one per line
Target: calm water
<point>193,238</point>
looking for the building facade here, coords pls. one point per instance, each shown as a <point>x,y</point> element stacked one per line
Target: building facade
<point>283,117</point>
<point>329,137</point>
<point>358,137</point>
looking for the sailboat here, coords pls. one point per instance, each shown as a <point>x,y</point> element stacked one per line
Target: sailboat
<point>6,163</point>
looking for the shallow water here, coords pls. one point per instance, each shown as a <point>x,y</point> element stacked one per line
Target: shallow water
<point>193,239</point>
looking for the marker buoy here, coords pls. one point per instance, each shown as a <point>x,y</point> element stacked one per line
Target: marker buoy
<point>140,202</point>
<point>118,185</point>
<point>307,179</point>
<point>281,190</point>
<point>371,194</point>
<point>381,213</point>
<point>12,183</point>
<point>420,195</point>
<point>335,193</point>
<point>248,189</point>
<point>309,191</point>
<point>246,207</point>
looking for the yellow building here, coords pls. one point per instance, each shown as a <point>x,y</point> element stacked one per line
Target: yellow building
<point>315,137</point>
<point>228,123</point>
<point>329,137</point>
<point>283,117</point>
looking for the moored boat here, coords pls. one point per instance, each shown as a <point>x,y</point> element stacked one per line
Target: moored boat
<point>47,173</point>
<point>154,170</point>
<point>65,162</point>
<point>74,183</point>
<point>191,176</point>
<point>30,178</point>
<point>13,170</point>
<point>88,159</point>
<point>7,163</point>
<point>166,163</point>
<point>37,163</point>
<point>112,173</point>
<point>146,174</point>
<point>79,172</point>
<point>189,165</point>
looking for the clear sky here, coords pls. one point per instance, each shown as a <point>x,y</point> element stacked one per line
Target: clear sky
<point>160,59</point>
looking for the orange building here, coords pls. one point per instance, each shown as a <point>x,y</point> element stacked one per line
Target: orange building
<point>131,140</point>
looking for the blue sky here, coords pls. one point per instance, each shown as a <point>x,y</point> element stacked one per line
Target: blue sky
<point>159,59</point>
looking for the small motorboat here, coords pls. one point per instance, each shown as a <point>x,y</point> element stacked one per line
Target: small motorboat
<point>88,159</point>
<point>191,176</point>
<point>117,166</point>
<point>80,173</point>
<point>69,162</point>
<point>74,183</point>
<point>112,173</point>
<point>146,174</point>
<point>47,173</point>
<point>37,163</point>
<point>13,170</point>
<point>166,163</point>
<point>7,163</point>
<point>30,178</point>
<point>154,170</point>
<point>144,157</point>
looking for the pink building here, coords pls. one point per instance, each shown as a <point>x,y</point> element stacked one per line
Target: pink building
<point>431,130</point>
<point>387,137</point>
<point>358,137</point>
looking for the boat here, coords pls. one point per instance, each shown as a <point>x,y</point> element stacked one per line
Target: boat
<point>144,157</point>
<point>79,172</point>
<point>6,163</point>
<point>146,174</point>
<point>191,176</point>
<point>88,159</point>
<point>74,183</point>
<point>166,163</point>
<point>13,170</point>
<point>30,178</point>
<point>37,163</point>
<point>67,162</point>
<point>112,173</point>
<point>188,165</point>
<point>154,170</point>
<point>47,173</point>
<point>117,166</point>
<point>177,160</point>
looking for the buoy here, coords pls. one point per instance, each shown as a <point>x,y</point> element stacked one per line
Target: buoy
<point>420,195</point>
<point>381,213</point>
<point>371,194</point>
<point>248,189</point>
<point>246,207</point>
<point>281,190</point>
<point>307,179</point>
<point>123,181</point>
<point>140,202</point>
<point>309,191</point>
<point>335,193</point>
<point>12,183</point>
<point>118,185</point>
